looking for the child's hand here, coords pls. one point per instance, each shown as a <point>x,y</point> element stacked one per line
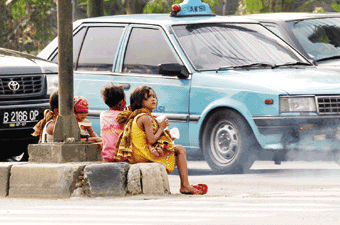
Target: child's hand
<point>158,152</point>
<point>82,127</point>
<point>154,152</point>
<point>164,123</point>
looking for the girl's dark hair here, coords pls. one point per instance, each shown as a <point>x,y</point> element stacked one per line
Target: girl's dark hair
<point>54,100</point>
<point>138,95</point>
<point>112,94</point>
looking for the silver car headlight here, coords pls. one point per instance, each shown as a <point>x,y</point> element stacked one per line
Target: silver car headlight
<point>52,83</point>
<point>297,104</point>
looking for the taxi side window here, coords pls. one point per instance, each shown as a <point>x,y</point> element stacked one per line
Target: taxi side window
<point>145,50</point>
<point>99,48</point>
<point>77,40</point>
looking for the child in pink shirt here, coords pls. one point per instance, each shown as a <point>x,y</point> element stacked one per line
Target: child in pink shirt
<point>114,97</point>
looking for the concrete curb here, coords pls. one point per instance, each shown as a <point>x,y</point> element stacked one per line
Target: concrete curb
<point>107,179</point>
<point>5,169</point>
<point>43,180</point>
<point>81,179</point>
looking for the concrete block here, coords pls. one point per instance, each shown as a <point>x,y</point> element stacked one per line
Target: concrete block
<point>5,169</point>
<point>153,179</point>
<point>107,179</point>
<point>35,180</point>
<point>60,152</point>
<point>134,177</point>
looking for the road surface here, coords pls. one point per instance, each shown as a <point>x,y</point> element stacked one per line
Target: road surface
<point>292,193</point>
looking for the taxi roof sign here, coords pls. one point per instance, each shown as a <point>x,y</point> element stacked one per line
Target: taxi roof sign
<point>191,8</point>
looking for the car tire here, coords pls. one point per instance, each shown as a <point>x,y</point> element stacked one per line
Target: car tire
<point>229,145</point>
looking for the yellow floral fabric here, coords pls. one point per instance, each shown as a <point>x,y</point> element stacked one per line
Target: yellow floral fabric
<point>132,145</point>
<point>141,152</point>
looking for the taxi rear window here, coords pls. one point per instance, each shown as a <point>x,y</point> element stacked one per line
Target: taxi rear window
<point>99,48</point>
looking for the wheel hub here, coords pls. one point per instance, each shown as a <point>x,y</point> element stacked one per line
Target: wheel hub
<point>225,142</point>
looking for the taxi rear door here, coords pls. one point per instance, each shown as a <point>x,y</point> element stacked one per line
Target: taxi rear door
<point>145,47</point>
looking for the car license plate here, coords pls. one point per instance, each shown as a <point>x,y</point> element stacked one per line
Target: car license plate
<point>20,118</point>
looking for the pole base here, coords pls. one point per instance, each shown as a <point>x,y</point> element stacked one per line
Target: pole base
<point>60,152</point>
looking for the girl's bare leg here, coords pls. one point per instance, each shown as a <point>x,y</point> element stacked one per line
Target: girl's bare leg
<point>182,166</point>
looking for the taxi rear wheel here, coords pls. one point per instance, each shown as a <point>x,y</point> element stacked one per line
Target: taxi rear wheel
<point>229,145</point>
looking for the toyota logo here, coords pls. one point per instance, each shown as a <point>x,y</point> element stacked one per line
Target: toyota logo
<point>14,85</point>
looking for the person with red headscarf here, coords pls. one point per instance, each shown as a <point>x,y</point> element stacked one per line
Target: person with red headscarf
<point>81,110</point>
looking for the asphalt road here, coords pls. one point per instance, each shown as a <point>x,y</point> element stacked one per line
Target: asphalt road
<point>291,193</point>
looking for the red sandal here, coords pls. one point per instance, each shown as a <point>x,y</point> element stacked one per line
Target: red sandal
<point>199,188</point>
<point>203,187</point>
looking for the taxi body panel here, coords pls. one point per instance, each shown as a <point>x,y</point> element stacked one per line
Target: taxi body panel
<point>245,92</point>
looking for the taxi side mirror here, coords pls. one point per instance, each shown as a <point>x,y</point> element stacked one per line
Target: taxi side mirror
<point>173,69</point>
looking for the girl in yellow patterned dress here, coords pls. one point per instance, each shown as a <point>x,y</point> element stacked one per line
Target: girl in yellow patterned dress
<point>144,139</point>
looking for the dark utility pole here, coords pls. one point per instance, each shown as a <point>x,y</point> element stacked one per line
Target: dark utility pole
<point>66,128</point>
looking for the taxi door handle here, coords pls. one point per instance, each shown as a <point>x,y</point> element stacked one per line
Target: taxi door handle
<point>125,86</point>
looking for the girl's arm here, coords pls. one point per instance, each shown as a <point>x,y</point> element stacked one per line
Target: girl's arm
<point>92,133</point>
<point>145,123</point>
<point>93,137</point>
<point>89,129</point>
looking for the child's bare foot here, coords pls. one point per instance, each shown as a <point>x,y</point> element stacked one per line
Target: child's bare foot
<point>198,189</point>
<point>191,190</point>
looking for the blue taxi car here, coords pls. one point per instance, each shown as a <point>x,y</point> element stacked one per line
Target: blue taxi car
<point>232,87</point>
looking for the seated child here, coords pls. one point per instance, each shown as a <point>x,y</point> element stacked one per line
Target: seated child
<point>81,109</point>
<point>114,98</point>
<point>142,130</point>
<point>45,127</point>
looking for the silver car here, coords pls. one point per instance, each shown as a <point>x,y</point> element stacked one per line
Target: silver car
<point>315,35</point>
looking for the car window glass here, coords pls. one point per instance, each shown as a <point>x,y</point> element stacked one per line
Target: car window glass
<point>146,49</point>
<point>212,46</point>
<point>77,40</point>
<point>275,30</point>
<point>319,37</point>
<point>99,48</point>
